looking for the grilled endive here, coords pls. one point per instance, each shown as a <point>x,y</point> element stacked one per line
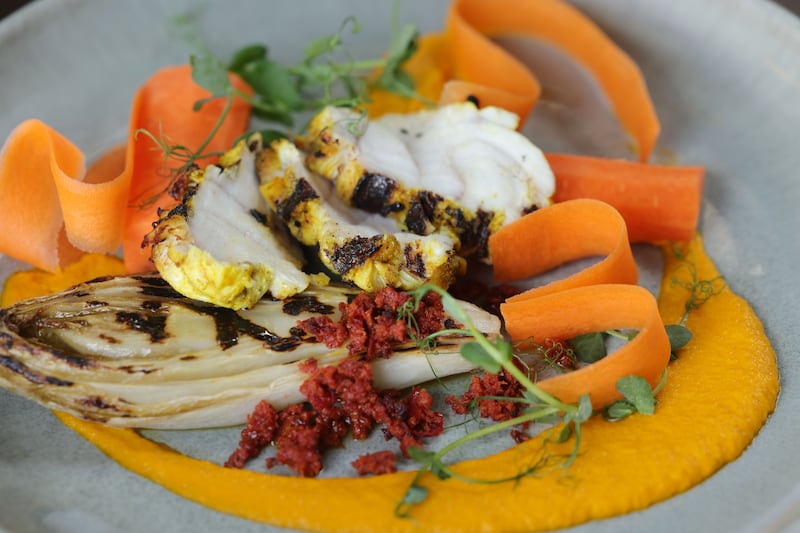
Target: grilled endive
<point>132,352</point>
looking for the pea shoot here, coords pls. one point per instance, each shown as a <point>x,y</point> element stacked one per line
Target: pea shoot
<point>282,94</point>
<point>492,355</point>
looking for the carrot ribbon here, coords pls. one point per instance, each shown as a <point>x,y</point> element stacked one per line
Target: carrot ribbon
<point>52,209</point>
<point>600,297</point>
<point>483,69</point>
<point>573,312</point>
<point>554,235</point>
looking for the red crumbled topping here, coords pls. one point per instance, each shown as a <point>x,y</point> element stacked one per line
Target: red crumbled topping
<point>333,334</point>
<point>500,384</point>
<point>519,436</point>
<point>340,398</point>
<point>370,323</point>
<point>422,420</point>
<point>256,435</point>
<point>303,435</point>
<point>384,462</point>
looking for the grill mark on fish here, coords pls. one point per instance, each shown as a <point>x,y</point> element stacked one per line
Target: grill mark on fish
<point>388,209</point>
<point>152,325</point>
<point>476,235</point>
<point>309,303</point>
<point>416,221</point>
<point>91,304</point>
<point>20,368</point>
<point>373,192</point>
<point>355,252</point>
<point>415,262</point>
<point>302,193</point>
<point>421,215</point>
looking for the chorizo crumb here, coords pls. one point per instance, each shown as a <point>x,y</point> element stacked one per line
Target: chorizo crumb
<point>377,463</point>
<point>519,436</point>
<point>258,433</point>
<point>500,384</point>
<point>370,324</point>
<point>340,399</point>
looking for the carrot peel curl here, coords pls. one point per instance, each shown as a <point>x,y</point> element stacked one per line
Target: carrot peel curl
<point>52,209</point>
<point>593,308</point>
<point>486,71</point>
<point>557,234</point>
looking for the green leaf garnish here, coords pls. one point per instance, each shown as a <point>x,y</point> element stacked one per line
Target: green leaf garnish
<point>492,355</point>
<point>638,398</point>
<point>210,73</point>
<point>679,336</point>
<point>245,55</point>
<point>637,390</point>
<point>478,356</point>
<point>281,93</point>
<point>589,348</point>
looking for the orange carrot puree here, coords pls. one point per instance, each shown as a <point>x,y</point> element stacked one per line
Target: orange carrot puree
<point>733,395</point>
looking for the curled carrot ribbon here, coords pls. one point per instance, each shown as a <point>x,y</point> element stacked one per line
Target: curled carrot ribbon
<point>53,209</point>
<point>557,234</point>
<point>569,313</point>
<point>483,69</point>
<point>600,297</point>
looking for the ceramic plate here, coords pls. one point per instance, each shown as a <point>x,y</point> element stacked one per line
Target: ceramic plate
<point>725,79</point>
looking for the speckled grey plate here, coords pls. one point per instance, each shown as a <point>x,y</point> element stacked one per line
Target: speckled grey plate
<point>725,77</point>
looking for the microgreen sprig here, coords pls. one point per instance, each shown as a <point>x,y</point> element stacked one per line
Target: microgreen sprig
<point>700,290</point>
<point>281,93</point>
<point>491,355</point>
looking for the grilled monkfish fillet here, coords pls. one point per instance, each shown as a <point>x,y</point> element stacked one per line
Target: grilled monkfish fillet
<point>366,249</point>
<point>132,352</point>
<point>456,170</point>
<point>220,244</point>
